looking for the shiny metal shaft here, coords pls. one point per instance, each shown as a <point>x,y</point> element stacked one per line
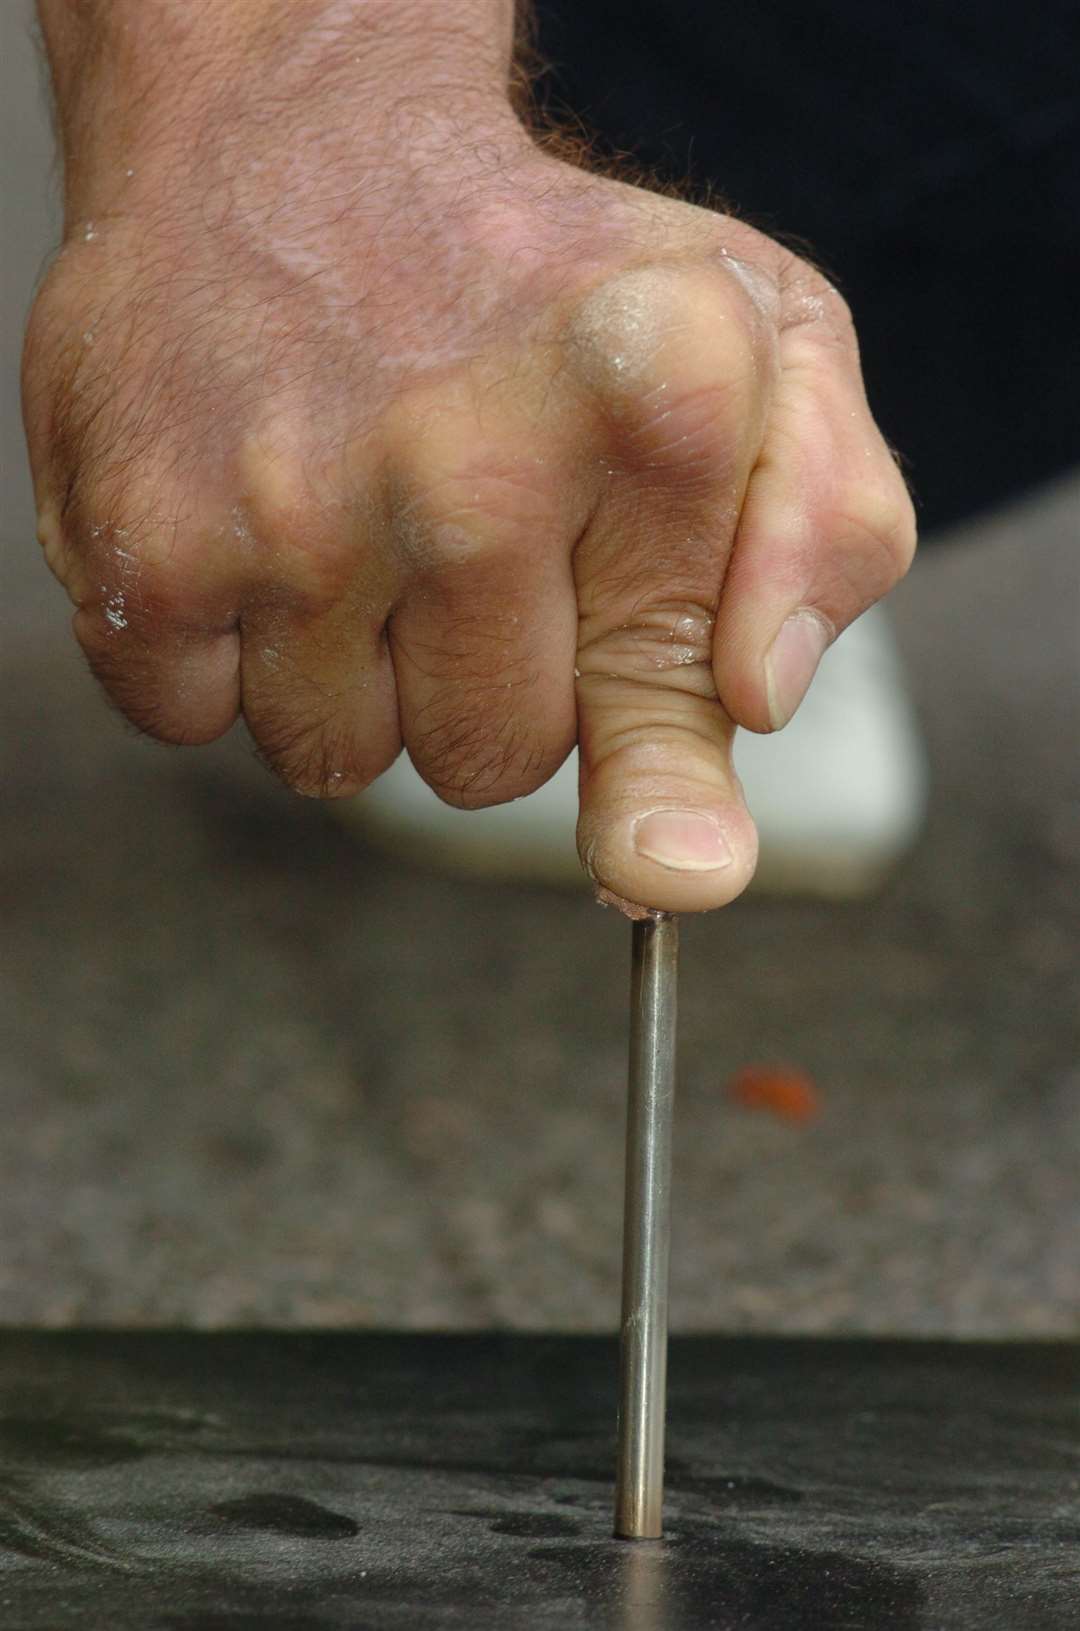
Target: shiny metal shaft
<point>639,1486</point>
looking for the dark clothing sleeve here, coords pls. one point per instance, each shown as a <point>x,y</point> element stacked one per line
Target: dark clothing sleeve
<point>928,154</point>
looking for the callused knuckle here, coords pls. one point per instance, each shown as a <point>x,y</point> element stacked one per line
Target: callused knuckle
<point>163,596</point>
<point>738,324</point>
<point>633,330</point>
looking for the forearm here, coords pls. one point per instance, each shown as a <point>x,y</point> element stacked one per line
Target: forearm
<point>153,71</point>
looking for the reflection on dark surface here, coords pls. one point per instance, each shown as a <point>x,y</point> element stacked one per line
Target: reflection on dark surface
<point>694,1581</point>
<point>176,1482</point>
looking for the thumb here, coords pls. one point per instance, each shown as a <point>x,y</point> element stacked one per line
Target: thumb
<point>662,822</point>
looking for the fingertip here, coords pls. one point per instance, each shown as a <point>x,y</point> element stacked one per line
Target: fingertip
<point>672,850</point>
<point>792,661</point>
<point>681,840</point>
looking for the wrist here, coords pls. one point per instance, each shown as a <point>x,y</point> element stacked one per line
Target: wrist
<point>153,31</point>
<point>139,78</point>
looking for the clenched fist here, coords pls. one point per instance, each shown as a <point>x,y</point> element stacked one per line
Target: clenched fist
<point>354,411</point>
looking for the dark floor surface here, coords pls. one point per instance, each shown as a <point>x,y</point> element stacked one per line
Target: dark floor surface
<point>309,1482</point>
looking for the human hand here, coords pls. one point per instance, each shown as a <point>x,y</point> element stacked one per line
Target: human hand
<point>355,411</point>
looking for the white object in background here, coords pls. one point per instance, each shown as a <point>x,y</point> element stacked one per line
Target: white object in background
<point>838,795</point>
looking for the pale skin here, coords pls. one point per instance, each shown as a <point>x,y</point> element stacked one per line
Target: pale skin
<point>354,412</point>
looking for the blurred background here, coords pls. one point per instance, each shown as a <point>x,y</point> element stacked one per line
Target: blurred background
<point>253,1072</point>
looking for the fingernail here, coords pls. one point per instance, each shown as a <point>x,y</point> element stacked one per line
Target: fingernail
<point>792,663</point>
<point>683,839</point>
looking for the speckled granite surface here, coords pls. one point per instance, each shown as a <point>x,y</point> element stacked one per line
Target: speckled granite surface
<point>251,1073</point>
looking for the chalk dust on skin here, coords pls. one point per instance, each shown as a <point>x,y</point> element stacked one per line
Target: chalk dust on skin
<point>619,327</point>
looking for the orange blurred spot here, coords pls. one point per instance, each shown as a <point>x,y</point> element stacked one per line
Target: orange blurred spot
<point>789,1094</point>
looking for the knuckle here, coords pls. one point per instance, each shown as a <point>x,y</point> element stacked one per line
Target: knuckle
<point>876,519</point>
<point>97,561</point>
<point>139,561</point>
<point>808,299</point>
<point>290,515</point>
<point>630,332</point>
<point>455,525</point>
<point>824,304</point>
<point>625,329</point>
<point>280,471</point>
<point>277,492</point>
<point>496,499</point>
<point>460,504</point>
<point>676,358</point>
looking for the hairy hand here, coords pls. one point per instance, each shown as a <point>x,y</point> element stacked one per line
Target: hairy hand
<point>396,428</point>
